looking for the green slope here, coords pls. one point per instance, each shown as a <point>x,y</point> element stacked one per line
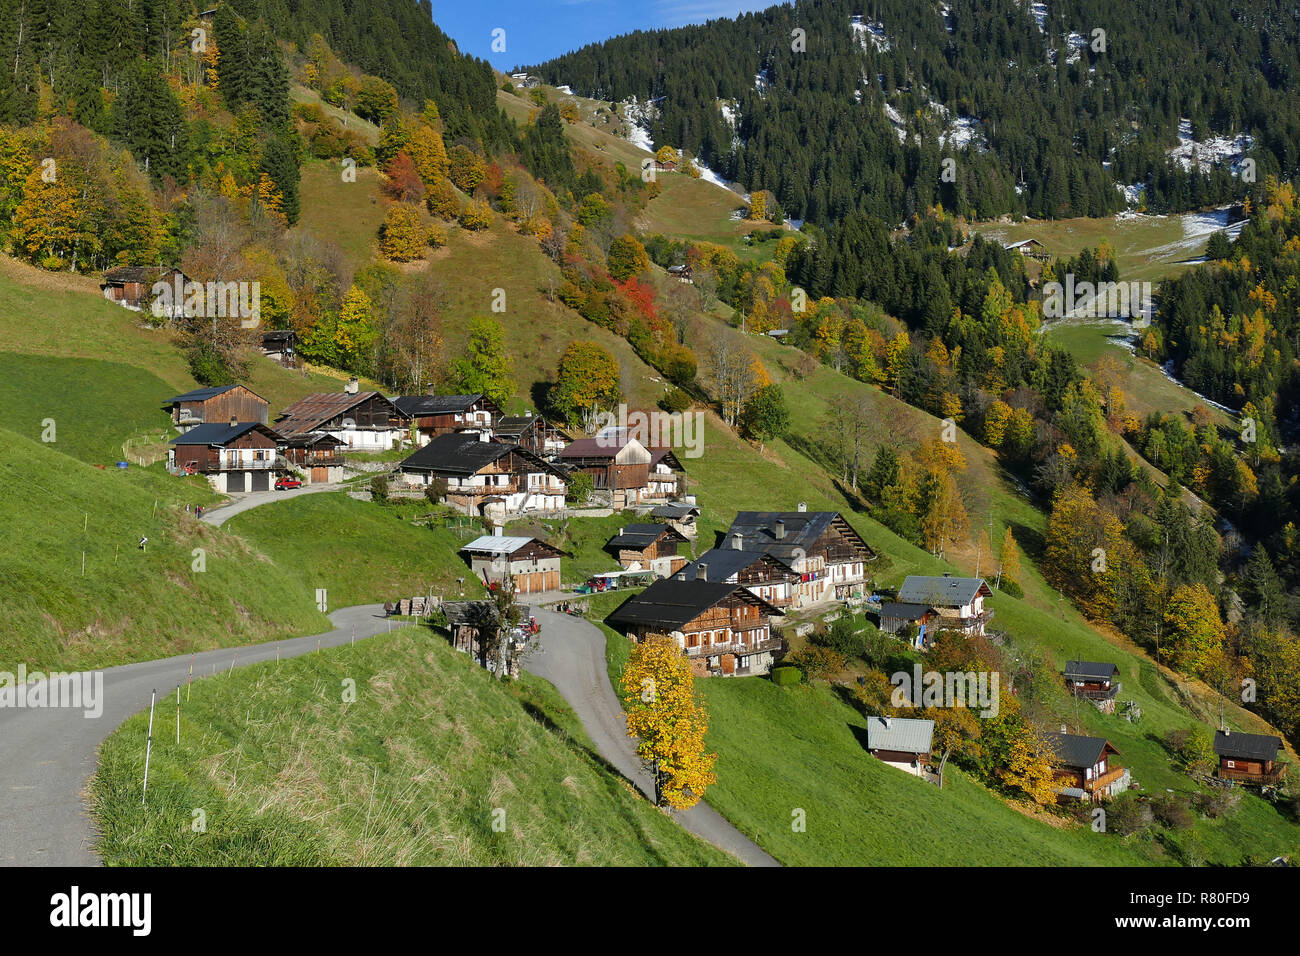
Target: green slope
<point>435,763</point>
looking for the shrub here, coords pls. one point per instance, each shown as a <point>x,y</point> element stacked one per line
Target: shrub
<point>675,401</point>
<point>1127,814</point>
<point>1011,588</point>
<point>581,485</point>
<point>1172,811</point>
<point>786,676</point>
<point>436,236</point>
<point>379,489</point>
<point>475,215</point>
<point>1215,803</point>
<point>843,638</point>
<point>443,200</point>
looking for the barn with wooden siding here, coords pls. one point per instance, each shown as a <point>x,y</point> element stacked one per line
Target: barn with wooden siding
<point>132,286</point>
<point>317,456</point>
<point>237,456</point>
<point>532,565</point>
<point>1084,768</point>
<point>219,403</point>
<point>724,629</point>
<point>648,547</point>
<point>627,469</point>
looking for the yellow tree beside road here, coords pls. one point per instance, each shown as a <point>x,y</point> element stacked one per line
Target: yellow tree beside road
<point>667,721</point>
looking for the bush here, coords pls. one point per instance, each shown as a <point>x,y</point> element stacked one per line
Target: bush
<point>1216,803</point>
<point>379,489</point>
<point>1172,811</point>
<point>580,487</point>
<point>1127,814</point>
<point>1011,588</point>
<point>675,401</point>
<point>208,365</point>
<point>786,676</point>
<point>475,215</point>
<point>843,638</point>
<point>442,199</point>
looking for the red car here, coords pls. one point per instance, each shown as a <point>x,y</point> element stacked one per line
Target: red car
<point>281,484</point>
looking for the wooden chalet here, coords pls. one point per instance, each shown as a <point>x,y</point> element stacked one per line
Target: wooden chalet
<point>683,517</point>
<point>1084,770</point>
<point>914,620</point>
<point>435,415</point>
<point>530,564</point>
<point>280,346</point>
<point>317,456</point>
<point>1094,681</point>
<point>957,602</point>
<point>133,286</point>
<point>682,273</point>
<point>724,629</point>
<point>901,742</point>
<point>532,432</point>
<point>1248,758</point>
<point>821,547</point>
<point>621,465</point>
<point>486,477</point>
<point>236,456</point>
<point>219,403</point>
<point>1029,248</point>
<point>363,421</point>
<point>763,574</point>
<point>648,547</point>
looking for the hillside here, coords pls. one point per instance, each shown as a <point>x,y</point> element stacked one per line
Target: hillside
<point>434,764</point>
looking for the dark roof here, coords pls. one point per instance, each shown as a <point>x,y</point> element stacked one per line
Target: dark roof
<point>665,456</point>
<point>672,603</point>
<point>639,536</point>
<point>221,433</point>
<point>1246,746</point>
<point>412,405</point>
<point>758,531</point>
<point>722,563</point>
<point>675,511</point>
<point>308,439</point>
<point>202,394</point>
<point>308,414</point>
<point>137,273</point>
<point>941,591</point>
<point>463,454</point>
<point>1073,750</point>
<point>1090,670</point>
<point>279,335</point>
<point>908,612</point>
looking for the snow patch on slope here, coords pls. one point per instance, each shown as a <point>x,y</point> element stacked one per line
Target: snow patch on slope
<point>1216,150</point>
<point>870,34</point>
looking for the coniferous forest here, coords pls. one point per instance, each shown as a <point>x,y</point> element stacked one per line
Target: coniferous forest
<point>1063,125</point>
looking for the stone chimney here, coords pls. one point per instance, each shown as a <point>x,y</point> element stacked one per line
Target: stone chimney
<point>353,386</point>
<point>620,532</point>
<point>233,421</point>
<point>701,572</point>
<point>736,541</point>
<point>497,531</point>
<point>778,531</point>
<point>803,506</point>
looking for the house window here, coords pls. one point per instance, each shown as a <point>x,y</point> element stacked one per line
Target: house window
<point>1230,764</point>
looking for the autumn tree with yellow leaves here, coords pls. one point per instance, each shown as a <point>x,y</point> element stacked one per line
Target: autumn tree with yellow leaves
<point>667,721</point>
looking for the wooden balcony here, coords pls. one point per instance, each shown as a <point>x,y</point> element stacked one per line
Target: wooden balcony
<point>753,647</point>
<point>1266,778</point>
<point>1105,780</point>
<point>1096,693</point>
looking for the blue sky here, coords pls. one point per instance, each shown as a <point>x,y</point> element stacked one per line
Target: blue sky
<point>536,30</point>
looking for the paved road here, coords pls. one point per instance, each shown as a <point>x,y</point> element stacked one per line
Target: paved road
<point>243,501</point>
<point>572,657</point>
<point>47,756</point>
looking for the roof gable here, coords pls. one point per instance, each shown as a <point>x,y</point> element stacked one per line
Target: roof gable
<point>942,591</point>
<point>672,602</point>
<point>1246,746</point>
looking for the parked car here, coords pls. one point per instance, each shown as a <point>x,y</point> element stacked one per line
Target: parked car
<point>281,484</point>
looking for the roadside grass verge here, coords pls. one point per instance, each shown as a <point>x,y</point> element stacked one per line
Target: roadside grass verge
<point>435,763</point>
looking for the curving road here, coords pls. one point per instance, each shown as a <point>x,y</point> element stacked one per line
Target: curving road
<point>48,755</point>
<point>245,500</point>
<point>572,657</point>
